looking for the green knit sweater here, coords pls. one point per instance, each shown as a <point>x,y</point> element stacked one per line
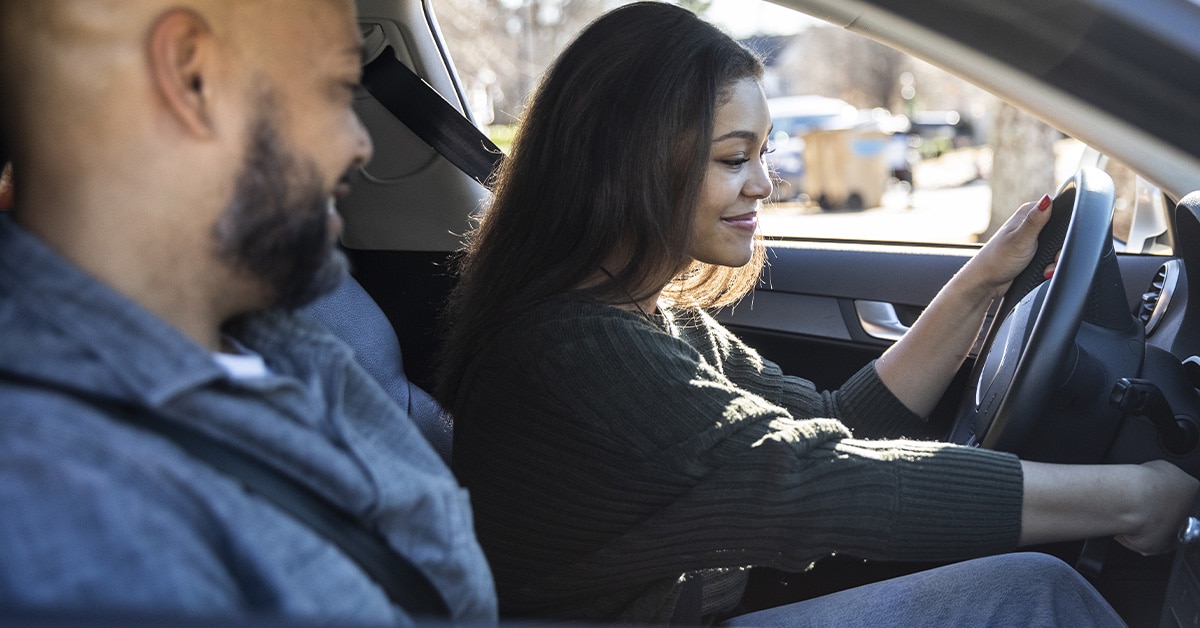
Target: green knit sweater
<point>607,456</point>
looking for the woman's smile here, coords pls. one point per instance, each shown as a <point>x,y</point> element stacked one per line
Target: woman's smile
<point>747,222</point>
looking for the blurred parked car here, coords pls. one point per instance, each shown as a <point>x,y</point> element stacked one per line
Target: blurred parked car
<point>792,118</point>
<point>935,132</point>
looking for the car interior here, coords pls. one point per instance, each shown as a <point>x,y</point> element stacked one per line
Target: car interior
<point>1101,364</point>
<point>1115,75</point>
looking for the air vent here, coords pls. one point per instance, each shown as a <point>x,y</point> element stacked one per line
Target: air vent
<point>1157,299</point>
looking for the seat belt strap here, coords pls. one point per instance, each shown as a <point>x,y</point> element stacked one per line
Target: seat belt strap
<point>422,109</point>
<point>405,585</point>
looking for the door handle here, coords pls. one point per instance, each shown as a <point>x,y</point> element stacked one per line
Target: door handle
<point>879,320</point>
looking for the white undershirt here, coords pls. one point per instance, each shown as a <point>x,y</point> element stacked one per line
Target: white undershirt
<point>242,365</point>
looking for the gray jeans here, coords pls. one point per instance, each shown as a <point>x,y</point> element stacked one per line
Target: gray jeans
<point>1024,589</point>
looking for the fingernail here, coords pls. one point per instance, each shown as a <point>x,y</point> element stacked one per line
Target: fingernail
<point>1049,274</point>
<point>1043,205</point>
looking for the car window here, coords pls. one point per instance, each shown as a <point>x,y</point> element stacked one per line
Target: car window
<point>868,143</point>
<point>1140,212</point>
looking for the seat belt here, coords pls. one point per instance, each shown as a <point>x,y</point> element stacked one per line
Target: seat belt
<point>422,109</point>
<point>405,585</point>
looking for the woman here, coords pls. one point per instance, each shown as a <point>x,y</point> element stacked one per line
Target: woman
<point>628,457</point>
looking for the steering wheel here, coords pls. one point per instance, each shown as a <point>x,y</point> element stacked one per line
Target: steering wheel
<point>1033,356</point>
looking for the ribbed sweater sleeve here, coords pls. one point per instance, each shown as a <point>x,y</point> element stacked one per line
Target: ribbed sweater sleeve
<point>863,403</point>
<point>606,457</point>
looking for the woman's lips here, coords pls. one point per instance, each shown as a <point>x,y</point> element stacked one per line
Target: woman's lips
<point>747,221</point>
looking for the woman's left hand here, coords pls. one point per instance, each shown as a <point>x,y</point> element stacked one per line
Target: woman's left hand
<point>1011,249</point>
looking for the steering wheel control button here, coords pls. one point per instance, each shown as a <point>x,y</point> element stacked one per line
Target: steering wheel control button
<point>1141,397</point>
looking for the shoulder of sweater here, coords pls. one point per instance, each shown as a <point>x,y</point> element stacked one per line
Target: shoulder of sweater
<point>566,323</point>
<point>570,314</point>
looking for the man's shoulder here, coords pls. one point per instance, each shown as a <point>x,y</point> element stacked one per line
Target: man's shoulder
<point>56,442</point>
<point>84,502</point>
<point>97,514</point>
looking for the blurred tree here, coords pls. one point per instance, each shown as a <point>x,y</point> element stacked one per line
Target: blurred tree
<point>878,72</point>
<point>831,61</point>
<point>502,47</point>
<point>1125,182</point>
<point>484,53</point>
<point>1022,163</point>
<point>699,7</point>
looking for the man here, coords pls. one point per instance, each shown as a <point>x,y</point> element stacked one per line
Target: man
<point>179,160</point>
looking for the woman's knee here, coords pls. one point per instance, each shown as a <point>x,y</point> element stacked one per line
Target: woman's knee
<point>1034,567</point>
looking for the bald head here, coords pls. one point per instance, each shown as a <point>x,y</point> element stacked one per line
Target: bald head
<point>56,51</point>
<point>104,62</point>
<point>135,124</point>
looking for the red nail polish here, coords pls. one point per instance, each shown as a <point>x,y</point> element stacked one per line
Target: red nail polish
<point>1044,204</point>
<point>1049,274</point>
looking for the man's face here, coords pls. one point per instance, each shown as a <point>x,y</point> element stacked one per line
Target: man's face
<point>280,225</point>
<point>303,139</point>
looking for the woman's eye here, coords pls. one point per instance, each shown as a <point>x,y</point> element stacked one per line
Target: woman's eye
<point>733,163</point>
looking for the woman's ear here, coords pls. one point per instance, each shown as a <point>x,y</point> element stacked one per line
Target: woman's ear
<point>183,66</point>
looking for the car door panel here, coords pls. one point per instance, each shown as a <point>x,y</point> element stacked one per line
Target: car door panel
<point>806,314</point>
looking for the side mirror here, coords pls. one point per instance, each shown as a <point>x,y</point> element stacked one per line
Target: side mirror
<point>1140,218</point>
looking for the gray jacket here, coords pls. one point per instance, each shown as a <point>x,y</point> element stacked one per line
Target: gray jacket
<point>96,515</point>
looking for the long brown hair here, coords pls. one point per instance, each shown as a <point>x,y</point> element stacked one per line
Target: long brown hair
<point>609,156</point>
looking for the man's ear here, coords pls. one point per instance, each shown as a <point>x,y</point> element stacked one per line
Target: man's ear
<point>182,62</point>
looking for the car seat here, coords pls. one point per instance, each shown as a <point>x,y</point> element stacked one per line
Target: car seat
<point>349,313</point>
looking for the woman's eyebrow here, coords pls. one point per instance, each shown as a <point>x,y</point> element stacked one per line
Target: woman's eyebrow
<point>745,135</point>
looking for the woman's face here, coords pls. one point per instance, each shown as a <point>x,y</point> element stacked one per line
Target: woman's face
<point>736,180</point>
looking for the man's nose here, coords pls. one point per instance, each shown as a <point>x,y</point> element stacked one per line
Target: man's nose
<point>364,148</point>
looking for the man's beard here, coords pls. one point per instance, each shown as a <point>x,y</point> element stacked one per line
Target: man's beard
<point>276,226</point>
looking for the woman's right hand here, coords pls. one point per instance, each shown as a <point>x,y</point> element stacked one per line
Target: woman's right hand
<point>1141,505</point>
<point>1167,497</point>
